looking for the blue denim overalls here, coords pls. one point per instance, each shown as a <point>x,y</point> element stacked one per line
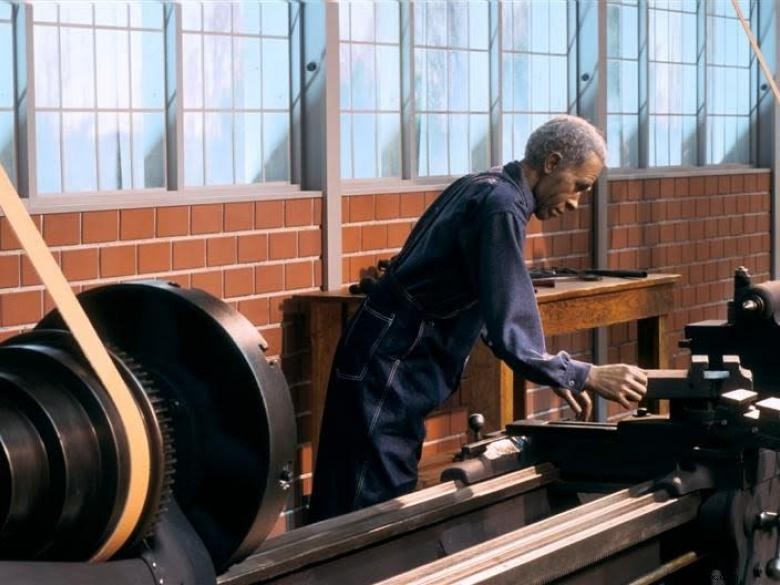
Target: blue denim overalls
<point>461,271</point>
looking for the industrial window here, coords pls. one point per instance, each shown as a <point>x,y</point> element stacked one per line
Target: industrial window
<point>236,92</point>
<point>534,72</point>
<point>451,87</point>
<point>7,93</point>
<point>370,91</point>
<point>672,80</point>
<point>623,83</point>
<point>99,96</point>
<point>728,60</point>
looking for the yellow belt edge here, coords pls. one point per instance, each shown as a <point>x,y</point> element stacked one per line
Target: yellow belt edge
<point>74,316</point>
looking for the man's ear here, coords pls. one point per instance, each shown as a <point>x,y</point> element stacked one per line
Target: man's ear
<point>551,162</point>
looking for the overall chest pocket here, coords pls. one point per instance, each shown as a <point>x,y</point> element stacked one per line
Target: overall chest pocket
<point>366,331</point>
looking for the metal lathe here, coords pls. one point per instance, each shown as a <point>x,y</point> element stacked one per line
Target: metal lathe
<point>687,498</point>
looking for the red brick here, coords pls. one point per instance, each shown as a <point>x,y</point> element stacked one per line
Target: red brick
<point>253,248</point>
<point>239,216</point>
<point>318,273</point>
<point>8,240</point>
<point>21,308</point>
<point>350,239</point>
<point>666,188</point>
<point>617,191</point>
<point>189,254</point>
<point>62,229</point>
<point>362,208</point>
<point>211,282</point>
<point>221,251</point>
<point>239,282</point>
<point>762,181</point>
<point>681,187</point>
<point>154,257</point>
<point>136,224</point>
<point>724,184</point>
<point>298,212</point>
<point>182,280</point>
<point>173,221</point>
<point>750,182</point>
<point>80,264</point>
<point>298,275</point>
<point>430,197</point>
<point>269,214</point>
<point>388,206</point>
<point>635,190</point>
<point>374,237</point>
<point>29,274</point>
<point>117,261</point>
<point>206,219</point>
<point>397,234</point>
<point>737,184</point>
<point>711,185</point>
<point>412,204</point>
<point>282,245</point>
<point>256,310</point>
<point>696,186</point>
<point>269,278</point>
<point>310,243</point>
<point>10,271</point>
<point>99,226</point>
<point>652,189</point>
<point>317,211</point>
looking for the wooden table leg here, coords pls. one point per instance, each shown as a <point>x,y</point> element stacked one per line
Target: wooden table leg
<point>325,325</point>
<point>653,351</point>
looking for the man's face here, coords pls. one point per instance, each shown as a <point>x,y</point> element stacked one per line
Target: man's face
<point>560,189</point>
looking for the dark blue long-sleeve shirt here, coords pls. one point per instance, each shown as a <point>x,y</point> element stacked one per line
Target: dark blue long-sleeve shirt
<point>465,260</point>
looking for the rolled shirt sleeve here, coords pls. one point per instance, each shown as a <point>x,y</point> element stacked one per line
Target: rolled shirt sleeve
<point>508,306</point>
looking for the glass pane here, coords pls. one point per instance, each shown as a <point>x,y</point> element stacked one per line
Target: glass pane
<point>148,69</point>
<point>78,149</point>
<point>219,148</point>
<point>7,71</point>
<point>216,16</point>
<point>74,12</point>
<point>249,158</point>
<point>458,147</point>
<point>558,27</point>
<point>437,80</point>
<point>246,17</point>
<point>111,13</point>
<point>437,144</point>
<point>193,149</point>
<point>345,91</point>
<point>457,13</point>
<point>47,156</point>
<point>478,24</point>
<point>148,150</point>
<point>507,96</point>
<point>389,145</point>
<point>7,147</point>
<point>191,15</point>
<point>344,22</point>
<point>346,146</point>
<point>275,18</point>
<point>363,77</point>
<point>276,146</point>
<point>113,83</point>
<point>420,77</point>
<point>47,67</point>
<point>479,86</point>
<point>364,136</point>
<point>437,23</point>
<point>458,72</point>
<point>362,19</point>
<point>422,144</point>
<point>44,11</point>
<point>479,135</point>
<point>247,63</point>
<point>78,73</point>
<point>276,87</point>
<point>540,81</point>
<point>192,71</point>
<point>522,82</point>
<point>218,84</point>
<point>146,14</point>
<point>114,149</point>
<point>387,21</point>
<point>540,27</point>
<point>388,63</point>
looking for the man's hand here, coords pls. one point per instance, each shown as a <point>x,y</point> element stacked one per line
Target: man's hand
<point>580,403</point>
<point>619,383</point>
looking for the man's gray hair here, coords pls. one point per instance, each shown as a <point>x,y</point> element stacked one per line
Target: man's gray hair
<point>572,137</point>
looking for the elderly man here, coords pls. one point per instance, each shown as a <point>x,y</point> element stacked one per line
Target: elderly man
<point>461,272</point>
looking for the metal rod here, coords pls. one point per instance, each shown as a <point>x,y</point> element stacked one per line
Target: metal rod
<point>672,566</point>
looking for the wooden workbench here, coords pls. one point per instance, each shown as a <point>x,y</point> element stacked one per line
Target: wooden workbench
<point>491,387</point>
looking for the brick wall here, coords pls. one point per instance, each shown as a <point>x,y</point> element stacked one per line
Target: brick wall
<point>701,227</point>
